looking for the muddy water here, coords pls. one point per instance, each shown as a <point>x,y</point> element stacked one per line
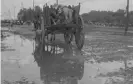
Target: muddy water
<point>98,63</point>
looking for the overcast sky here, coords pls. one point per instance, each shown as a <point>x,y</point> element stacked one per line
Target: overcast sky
<point>86,6</point>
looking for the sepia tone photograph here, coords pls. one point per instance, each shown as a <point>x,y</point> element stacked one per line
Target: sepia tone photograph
<point>66,41</point>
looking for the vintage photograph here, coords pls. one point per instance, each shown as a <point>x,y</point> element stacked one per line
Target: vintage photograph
<point>66,41</point>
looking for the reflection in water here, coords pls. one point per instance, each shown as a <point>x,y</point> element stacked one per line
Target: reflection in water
<point>4,36</point>
<point>54,68</point>
<point>106,62</point>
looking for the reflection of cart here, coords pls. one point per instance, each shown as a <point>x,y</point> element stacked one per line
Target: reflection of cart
<point>69,30</point>
<point>54,67</point>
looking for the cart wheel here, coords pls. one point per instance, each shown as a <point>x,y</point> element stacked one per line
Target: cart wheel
<point>79,39</point>
<point>79,35</point>
<point>68,37</point>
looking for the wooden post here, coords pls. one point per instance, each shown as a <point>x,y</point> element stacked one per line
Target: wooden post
<point>14,12</point>
<point>22,5</point>
<point>57,2</point>
<point>46,17</point>
<point>127,17</point>
<point>45,14</point>
<point>43,32</point>
<point>33,4</point>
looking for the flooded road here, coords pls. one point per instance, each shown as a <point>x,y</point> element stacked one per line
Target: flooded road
<point>105,59</point>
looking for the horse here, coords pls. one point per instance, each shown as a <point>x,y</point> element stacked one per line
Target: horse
<point>71,14</point>
<point>62,15</point>
<point>37,23</point>
<point>66,12</point>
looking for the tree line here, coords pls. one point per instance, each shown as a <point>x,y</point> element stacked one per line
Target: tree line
<point>29,14</point>
<point>117,17</point>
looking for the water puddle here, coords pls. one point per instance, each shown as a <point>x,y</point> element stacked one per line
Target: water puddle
<point>131,46</point>
<point>58,63</point>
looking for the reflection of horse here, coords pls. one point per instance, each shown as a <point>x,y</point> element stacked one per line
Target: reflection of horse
<point>55,68</point>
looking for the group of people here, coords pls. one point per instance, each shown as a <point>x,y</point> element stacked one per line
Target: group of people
<point>59,14</point>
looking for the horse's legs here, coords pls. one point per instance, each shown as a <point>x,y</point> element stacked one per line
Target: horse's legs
<point>52,37</point>
<point>47,37</point>
<point>70,15</point>
<point>66,18</point>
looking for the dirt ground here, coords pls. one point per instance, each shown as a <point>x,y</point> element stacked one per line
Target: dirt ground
<point>107,54</point>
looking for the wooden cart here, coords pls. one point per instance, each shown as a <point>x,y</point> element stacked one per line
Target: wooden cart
<point>68,30</point>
